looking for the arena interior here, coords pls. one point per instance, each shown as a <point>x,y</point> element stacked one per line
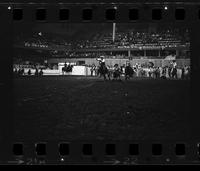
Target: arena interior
<point>79,104</point>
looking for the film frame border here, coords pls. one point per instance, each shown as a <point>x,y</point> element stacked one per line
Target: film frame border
<point>190,21</point>
<point>168,11</point>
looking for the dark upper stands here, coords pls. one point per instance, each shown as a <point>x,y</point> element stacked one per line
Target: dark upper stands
<point>103,40</point>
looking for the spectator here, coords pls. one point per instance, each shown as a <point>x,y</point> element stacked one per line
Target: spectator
<point>95,70</point>
<point>29,72</point>
<point>188,72</point>
<point>182,73</point>
<point>150,72</point>
<point>22,71</point>
<point>92,70</point>
<point>15,72</point>
<point>36,72</point>
<point>41,72</point>
<point>169,71</point>
<point>174,73</point>
<point>157,72</point>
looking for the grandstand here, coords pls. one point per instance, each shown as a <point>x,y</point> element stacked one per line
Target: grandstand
<point>137,44</point>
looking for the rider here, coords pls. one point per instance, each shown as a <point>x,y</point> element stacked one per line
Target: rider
<point>65,65</point>
<point>102,67</point>
<point>101,60</point>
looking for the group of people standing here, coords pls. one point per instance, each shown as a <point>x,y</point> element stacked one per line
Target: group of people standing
<point>109,72</point>
<point>67,68</point>
<point>21,72</point>
<point>171,71</point>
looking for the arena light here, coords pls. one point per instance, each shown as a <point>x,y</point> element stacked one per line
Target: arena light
<point>9,7</point>
<point>166,8</point>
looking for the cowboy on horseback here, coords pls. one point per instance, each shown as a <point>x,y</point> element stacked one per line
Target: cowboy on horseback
<point>67,68</point>
<point>64,69</point>
<point>102,67</point>
<point>65,65</point>
<point>101,60</point>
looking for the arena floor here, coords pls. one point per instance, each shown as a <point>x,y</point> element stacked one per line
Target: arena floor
<point>86,108</point>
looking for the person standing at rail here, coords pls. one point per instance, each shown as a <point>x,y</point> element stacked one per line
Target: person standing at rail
<point>95,70</point>
<point>117,72</point>
<point>92,69</point>
<point>29,72</point>
<point>182,73</point>
<point>128,71</point>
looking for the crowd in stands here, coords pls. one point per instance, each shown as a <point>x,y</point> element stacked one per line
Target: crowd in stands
<point>125,39</point>
<point>165,38</point>
<point>131,39</point>
<point>40,40</point>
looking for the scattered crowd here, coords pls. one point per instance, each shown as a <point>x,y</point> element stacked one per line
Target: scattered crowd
<point>171,71</point>
<point>21,71</point>
<point>124,38</point>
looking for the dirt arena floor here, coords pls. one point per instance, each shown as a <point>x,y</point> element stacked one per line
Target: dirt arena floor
<point>88,108</point>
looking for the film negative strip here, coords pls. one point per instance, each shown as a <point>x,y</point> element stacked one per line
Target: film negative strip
<point>100,83</point>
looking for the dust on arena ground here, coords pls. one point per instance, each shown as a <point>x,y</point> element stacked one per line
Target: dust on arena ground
<point>86,108</point>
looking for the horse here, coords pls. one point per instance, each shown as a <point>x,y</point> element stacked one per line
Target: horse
<point>174,73</point>
<point>103,70</point>
<point>128,72</point>
<point>116,73</point>
<point>67,69</point>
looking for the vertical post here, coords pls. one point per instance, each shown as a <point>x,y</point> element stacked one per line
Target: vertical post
<point>114,29</point>
<point>144,53</point>
<point>129,53</point>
